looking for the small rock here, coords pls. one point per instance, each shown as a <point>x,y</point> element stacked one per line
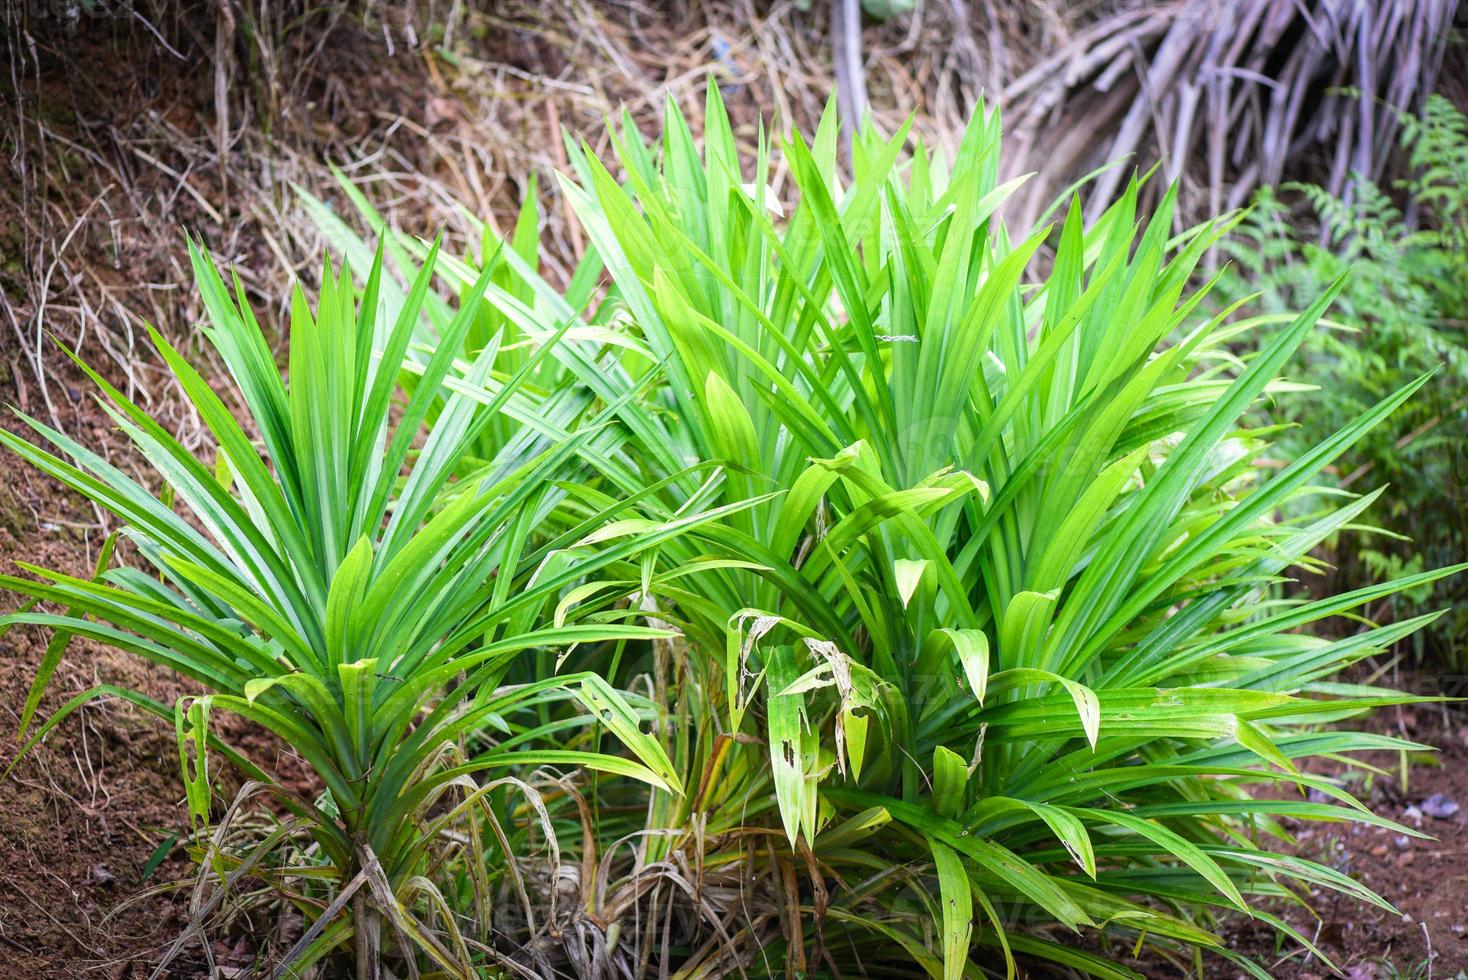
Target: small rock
<point>1380,850</point>
<point>1414,814</point>
<point>1405,858</point>
<point>1402,841</point>
<point>1440,806</point>
<point>1362,971</point>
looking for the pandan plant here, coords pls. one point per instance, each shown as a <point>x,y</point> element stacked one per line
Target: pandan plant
<point>373,594</point>
<point>991,663</point>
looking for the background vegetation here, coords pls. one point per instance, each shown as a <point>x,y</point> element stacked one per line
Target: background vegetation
<point>1402,313</point>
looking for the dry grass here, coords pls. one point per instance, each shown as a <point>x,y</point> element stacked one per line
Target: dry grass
<point>210,111</point>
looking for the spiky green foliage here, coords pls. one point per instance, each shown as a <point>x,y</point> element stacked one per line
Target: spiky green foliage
<point>997,666</point>
<point>376,597</point>
<point>965,641</point>
<point>1403,312</point>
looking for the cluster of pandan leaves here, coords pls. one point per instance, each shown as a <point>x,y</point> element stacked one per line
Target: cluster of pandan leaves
<point>825,579</point>
<point>1403,252</point>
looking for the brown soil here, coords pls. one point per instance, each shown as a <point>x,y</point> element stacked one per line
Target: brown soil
<point>82,814</point>
<point>1427,880</point>
<point>85,811</point>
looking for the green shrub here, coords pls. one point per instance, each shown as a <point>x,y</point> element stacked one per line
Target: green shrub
<point>371,595</point>
<point>1402,313</point>
<point>987,663</point>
